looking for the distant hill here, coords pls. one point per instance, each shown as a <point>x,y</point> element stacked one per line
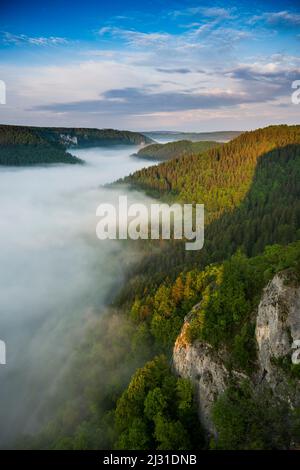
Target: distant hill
<point>174,149</point>
<point>219,136</point>
<point>250,189</point>
<point>27,145</point>
<point>222,176</point>
<point>84,137</point>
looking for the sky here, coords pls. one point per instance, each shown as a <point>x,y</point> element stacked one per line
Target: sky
<point>151,65</point>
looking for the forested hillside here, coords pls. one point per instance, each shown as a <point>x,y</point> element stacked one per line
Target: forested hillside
<point>251,191</point>
<point>226,298</point>
<point>222,176</point>
<point>85,137</point>
<point>174,149</point>
<point>24,145</point>
<point>250,188</point>
<point>101,407</point>
<point>21,146</point>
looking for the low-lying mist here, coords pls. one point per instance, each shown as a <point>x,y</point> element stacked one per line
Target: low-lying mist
<point>55,275</point>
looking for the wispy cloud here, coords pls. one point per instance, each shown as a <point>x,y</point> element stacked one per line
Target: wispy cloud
<point>20,39</point>
<point>143,101</point>
<point>215,12</point>
<point>269,72</point>
<point>208,12</point>
<point>244,84</point>
<point>136,38</point>
<point>201,61</point>
<point>280,18</point>
<point>181,70</point>
<point>208,35</point>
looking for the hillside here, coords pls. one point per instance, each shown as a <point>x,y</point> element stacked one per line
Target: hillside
<point>225,321</point>
<point>156,408</point>
<point>220,136</point>
<point>222,176</point>
<point>216,318</point>
<point>251,197</point>
<point>25,145</point>
<point>242,351</point>
<point>21,146</point>
<point>174,149</point>
<point>211,305</point>
<point>84,137</point>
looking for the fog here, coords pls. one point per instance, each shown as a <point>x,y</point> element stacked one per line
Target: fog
<point>55,275</point>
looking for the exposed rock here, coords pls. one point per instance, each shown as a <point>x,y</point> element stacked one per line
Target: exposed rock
<point>277,326</point>
<point>198,363</point>
<point>67,139</point>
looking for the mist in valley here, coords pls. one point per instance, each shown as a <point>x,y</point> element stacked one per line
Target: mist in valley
<point>55,275</point>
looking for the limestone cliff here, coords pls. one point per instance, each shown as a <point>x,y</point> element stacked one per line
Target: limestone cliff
<point>277,330</point>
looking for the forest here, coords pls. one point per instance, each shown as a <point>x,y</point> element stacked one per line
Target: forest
<point>250,188</point>
<point>175,149</point>
<point>25,145</point>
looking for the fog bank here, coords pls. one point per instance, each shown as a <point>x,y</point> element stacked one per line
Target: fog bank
<point>55,275</point>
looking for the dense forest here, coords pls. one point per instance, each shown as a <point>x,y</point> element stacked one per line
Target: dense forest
<point>121,392</point>
<point>250,188</point>
<point>24,145</point>
<point>175,149</point>
<point>86,137</point>
<point>229,294</point>
<point>20,146</point>
<point>220,177</point>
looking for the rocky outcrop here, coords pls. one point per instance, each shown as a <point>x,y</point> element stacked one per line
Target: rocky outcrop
<point>277,333</point>
<point>67,139</point>
<point>277,328</point>
<point>204,368</point>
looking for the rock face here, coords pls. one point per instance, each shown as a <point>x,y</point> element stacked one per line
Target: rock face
<point>67,139</point>
<point>277,331</point>
<point>204,368</point>
<point>277,327</point>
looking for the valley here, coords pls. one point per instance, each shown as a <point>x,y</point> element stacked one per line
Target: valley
<point>167,335</point>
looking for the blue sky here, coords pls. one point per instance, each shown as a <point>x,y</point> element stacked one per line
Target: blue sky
<point>150,65</point>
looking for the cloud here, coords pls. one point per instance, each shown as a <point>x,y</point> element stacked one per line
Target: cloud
<point>136,38</point>
<point>272,73</point>
<point>181,70</point>
<point>273,80</point>
<point>132,100</point>
<point>209,12</point>
<point>128,56</point>
<point>280,18</point>
<point>242,84</point>
<point>215,12</point>
<point>229,36</point>
<point>206,36</point>
<point>20,39</point>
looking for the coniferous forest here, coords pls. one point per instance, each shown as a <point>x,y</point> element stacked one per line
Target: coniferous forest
<point>250,187</point>
<point>25,146</point>
<point>150,233</point>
